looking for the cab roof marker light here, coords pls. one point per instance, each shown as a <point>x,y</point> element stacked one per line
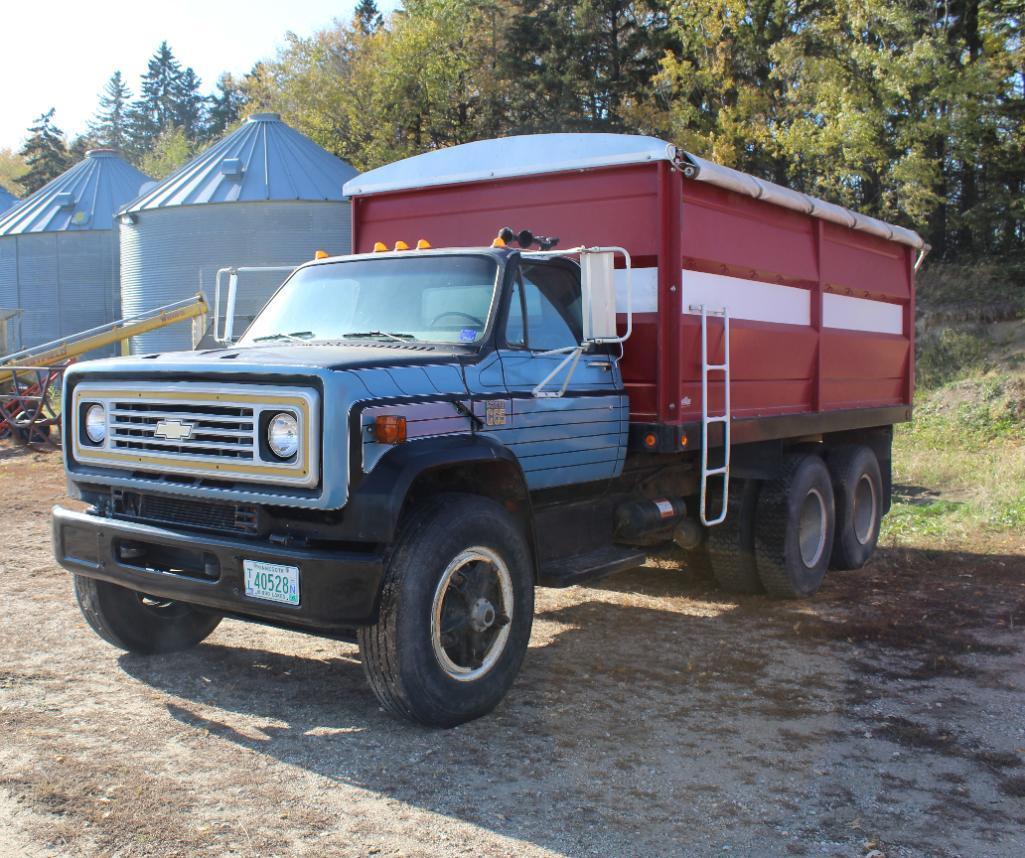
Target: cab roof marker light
<point>498,242</point>
<point>401,245</point>
<point>423,244</point>
<point>380,247</point>
<point>320,254</point>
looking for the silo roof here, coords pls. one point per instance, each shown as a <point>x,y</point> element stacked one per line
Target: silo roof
<point>85,197</point>
<point>264,159</point>
<point>7,199</point>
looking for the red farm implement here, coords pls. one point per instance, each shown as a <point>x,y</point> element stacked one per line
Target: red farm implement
<point>30,380</point>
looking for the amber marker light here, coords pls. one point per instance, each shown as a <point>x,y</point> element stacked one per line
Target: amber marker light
<point>320,254</point>
<point>401,245</point>
<point>498,242</point>
<point>380,247</point>
<point>390,429</point>
<point>423,244</point>
<point>683,440</point>
<point>650,440</point>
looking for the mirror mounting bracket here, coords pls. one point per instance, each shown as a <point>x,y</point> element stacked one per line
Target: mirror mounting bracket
<point>573,353</point>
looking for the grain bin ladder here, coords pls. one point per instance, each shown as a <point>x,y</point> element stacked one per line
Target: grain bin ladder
<point>707,419</point>
<point>30,378</point>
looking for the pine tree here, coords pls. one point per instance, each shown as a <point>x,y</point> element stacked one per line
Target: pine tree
<point>189,106</point>
<point>581,64</point>
<point>368,17</point>
<point>109,127</point>
<point>225,106</point>
<point>44,152</point>
<point>80,145</point>
<point>158,104</point>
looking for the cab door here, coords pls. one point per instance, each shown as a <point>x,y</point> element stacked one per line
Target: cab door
<point>580,436</point>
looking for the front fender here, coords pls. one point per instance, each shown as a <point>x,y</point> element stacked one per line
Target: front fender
<point>375,505</point>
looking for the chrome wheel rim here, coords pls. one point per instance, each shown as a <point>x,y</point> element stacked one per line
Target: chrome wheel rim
<point>865,510</point>
<point>471,613</point>
<point>811,530</point>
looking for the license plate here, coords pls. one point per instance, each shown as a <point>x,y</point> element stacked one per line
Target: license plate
<point>272,581</point>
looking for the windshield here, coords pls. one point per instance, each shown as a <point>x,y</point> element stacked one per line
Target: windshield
<point>438,299</point>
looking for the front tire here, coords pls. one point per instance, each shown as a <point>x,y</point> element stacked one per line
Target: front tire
<point>457,607</point>
<point>794,528</point>
<point>139,623</point>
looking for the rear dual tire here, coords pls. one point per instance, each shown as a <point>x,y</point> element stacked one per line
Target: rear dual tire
<point>794,528</point>
<point>781,536</point>
<point>858,496</point>
<point>730,546</point>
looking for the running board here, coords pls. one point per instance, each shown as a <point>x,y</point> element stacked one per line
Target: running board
<point>568,571</point>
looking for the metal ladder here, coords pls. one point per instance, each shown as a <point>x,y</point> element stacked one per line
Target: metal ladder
<point>707,420</point>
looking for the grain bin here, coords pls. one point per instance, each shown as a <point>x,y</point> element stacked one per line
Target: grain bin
<point>59,250</point>
<point>265,195</point>
<point>7,199</point>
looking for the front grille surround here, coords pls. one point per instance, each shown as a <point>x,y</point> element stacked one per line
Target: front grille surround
<point>199,430</point>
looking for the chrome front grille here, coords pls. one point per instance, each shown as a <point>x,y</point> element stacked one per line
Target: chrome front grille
<point>215,431</point>
<point>197,429</point>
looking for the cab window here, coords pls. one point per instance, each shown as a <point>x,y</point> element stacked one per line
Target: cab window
<point>545,309</point>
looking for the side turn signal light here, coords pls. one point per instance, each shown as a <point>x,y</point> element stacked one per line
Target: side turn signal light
<point>389,429</point>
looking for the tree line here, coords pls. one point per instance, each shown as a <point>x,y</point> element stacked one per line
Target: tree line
<point>158,130</point>
<point>909,110</point>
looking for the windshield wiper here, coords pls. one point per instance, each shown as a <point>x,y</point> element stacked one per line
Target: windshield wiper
<point>394,336</point>
<point>295,336</point>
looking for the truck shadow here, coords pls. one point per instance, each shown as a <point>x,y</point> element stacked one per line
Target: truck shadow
<point>640,695</point>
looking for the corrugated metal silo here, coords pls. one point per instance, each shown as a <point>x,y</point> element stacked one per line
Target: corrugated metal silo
<point>59,250</point>
<point>7,199</point>
<point>265,195</point>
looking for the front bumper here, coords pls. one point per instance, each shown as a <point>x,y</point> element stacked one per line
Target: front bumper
<point>338,589</point>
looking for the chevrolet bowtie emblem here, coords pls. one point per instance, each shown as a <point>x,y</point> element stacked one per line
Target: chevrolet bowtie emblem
<point>174,430</point>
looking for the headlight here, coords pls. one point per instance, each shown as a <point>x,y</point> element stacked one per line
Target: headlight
<point>283,435</point>
<point>96,424</point>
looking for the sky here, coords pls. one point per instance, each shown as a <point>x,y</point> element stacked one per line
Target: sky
<point>61,53</point>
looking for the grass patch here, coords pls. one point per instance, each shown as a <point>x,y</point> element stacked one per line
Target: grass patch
<point>949,354</point>
<point>967,445</point>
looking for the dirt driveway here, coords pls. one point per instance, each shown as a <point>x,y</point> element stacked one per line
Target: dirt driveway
<point>654,716</point>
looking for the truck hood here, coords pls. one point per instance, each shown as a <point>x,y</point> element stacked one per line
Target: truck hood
<point>293,356</point>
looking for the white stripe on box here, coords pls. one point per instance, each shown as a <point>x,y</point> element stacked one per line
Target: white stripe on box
<point>746,299</point>
<point>861,314</point>
<point>756,301</point>
<point>643,289</point>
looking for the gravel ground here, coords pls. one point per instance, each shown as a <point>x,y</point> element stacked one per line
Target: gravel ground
<point>654,716</point>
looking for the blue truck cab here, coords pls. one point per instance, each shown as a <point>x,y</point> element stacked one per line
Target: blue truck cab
<point>399,448</point>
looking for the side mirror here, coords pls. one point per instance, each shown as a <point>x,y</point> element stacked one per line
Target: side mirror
<point>598,285</point>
